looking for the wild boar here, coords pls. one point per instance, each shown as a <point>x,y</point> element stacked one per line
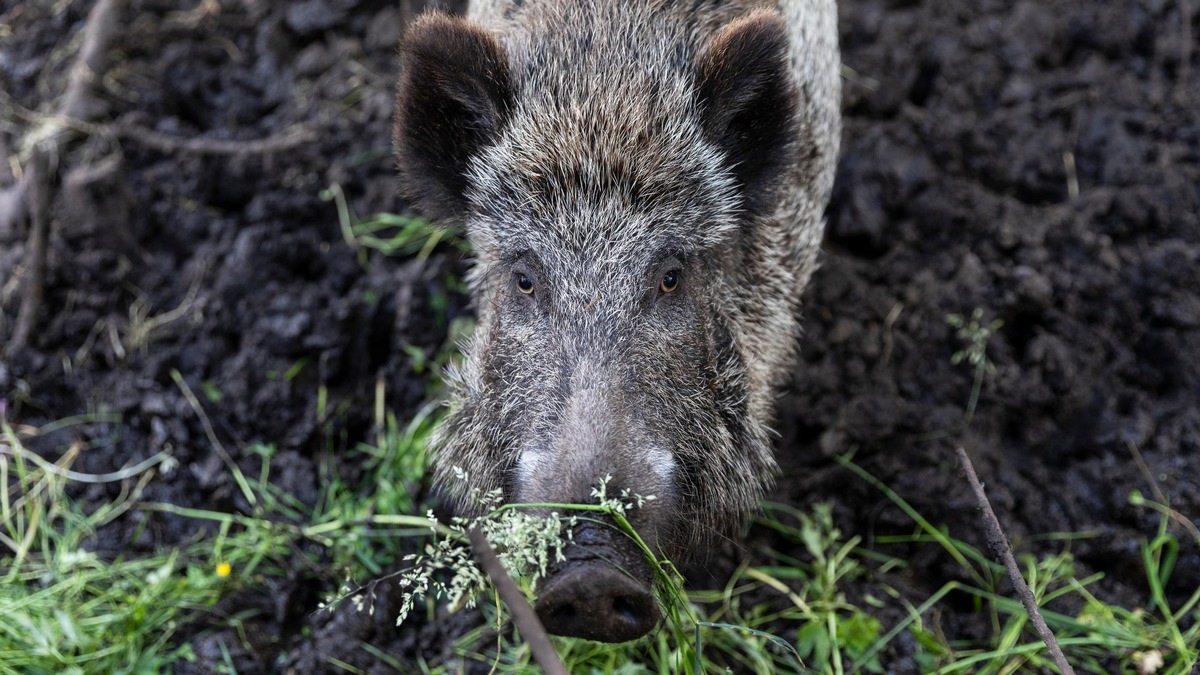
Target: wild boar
<point>643,187</point>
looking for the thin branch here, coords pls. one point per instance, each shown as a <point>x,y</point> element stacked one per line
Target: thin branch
<point>1002,548</point>
<point>522,614</point>
<point>213,146</point>
<point>97,34</point>
<point>38,195</point>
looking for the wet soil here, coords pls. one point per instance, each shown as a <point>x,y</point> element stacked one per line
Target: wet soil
<point>1039,161</point>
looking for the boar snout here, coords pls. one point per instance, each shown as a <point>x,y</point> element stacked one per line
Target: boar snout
<point>595,601</point>
<point>602,591</point>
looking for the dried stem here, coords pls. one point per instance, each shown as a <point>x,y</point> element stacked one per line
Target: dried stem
<point>214,146</point>
<point>38,196</point>
<point>78,103</point>
<point>523,615</point>
<point>1001,547</point>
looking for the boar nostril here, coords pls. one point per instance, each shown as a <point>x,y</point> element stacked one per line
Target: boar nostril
<point>627,608</point>
<point>558,615</point>
<point>596,601</point>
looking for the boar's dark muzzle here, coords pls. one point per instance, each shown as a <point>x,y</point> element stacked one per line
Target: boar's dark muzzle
<point>602,591</point>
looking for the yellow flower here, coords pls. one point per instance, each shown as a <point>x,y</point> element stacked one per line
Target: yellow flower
<point>223,569</point>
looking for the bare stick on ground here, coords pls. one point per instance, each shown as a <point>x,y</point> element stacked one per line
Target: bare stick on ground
<point>522,614</point>
<point>1001,547</point>
<point>38,196</point>
<point>214,146</point>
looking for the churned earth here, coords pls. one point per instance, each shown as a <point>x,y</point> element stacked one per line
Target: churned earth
<point>1038,161</point>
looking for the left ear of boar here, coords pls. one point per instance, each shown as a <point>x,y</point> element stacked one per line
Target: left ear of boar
<point>452,100</point>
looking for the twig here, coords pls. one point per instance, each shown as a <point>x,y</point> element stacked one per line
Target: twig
<point>213,146</point>
<point>1179,518</point>
<point>38,195</point>
<point>97,34</point>
<point>1001,547</point>
<point>522,614</point>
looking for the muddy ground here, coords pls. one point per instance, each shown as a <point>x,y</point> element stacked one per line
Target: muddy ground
<point>1039,161</point>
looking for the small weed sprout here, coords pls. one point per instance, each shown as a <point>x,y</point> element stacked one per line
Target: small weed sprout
<point>976,334</point>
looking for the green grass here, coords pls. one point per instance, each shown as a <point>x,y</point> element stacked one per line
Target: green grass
<point>64,609</point>
<point>809,609</point>
<point>388,233</point>
<point>1098,636</point>
<point>813,627</point>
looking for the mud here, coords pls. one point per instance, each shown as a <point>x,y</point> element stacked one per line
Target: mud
<point>1039,161</point>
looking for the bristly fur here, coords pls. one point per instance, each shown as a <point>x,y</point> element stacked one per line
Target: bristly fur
<point>592,150</point>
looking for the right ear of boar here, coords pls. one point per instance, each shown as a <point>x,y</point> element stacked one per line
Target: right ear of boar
<point>453,98</point>
<point>747,105</point>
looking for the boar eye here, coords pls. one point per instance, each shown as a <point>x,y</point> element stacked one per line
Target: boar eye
<point>524,283</point>
<point>669,282</point>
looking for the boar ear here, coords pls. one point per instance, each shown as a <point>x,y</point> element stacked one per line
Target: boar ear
<point>746,97</point>
<point>452,100</point>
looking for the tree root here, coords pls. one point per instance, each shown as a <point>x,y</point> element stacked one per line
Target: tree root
<point>30,198</point>
<point>38,196</point>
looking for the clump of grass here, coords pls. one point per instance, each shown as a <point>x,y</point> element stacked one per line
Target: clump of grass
<point>389,233</point>
<point>690,640</point>
<point>525,544</point>
<point>367,524</point>
<point>819,630</point>
<point>831,632</point>
<point>65,609</point>
<point>1155,639</point>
